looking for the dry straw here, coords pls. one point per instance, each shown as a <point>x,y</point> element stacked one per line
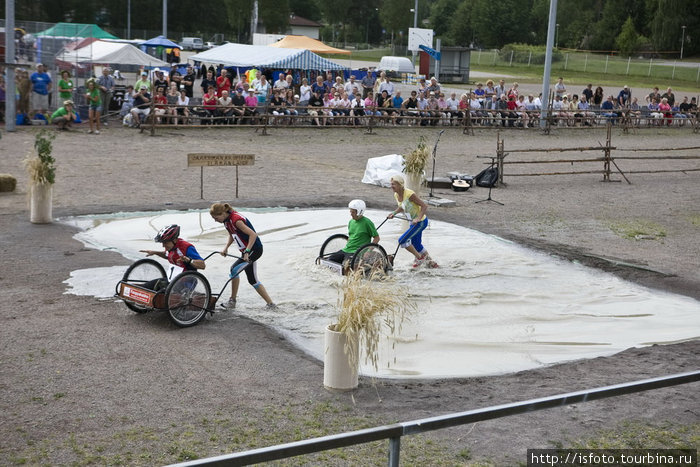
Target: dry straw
<point>415,161</point>
<point>40,168</point>
<point>366,306</point>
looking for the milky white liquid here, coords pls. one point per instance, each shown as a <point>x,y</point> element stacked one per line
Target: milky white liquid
<point>492,307</point>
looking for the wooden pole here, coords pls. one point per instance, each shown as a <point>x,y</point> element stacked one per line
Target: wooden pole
<point>606,154</point>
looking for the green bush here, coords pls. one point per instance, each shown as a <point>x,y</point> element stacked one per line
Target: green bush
<point>521,54</point>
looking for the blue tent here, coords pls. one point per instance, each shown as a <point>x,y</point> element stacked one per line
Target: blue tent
<point>160,41</point>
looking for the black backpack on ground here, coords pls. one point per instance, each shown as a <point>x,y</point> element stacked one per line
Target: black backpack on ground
<point>487,177</point>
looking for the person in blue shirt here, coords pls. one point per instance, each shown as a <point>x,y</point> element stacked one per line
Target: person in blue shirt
<point>41,86</point>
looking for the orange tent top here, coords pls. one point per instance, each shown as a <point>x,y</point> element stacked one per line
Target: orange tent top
<point>307,43</point>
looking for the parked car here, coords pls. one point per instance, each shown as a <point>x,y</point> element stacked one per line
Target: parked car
<point>192,43</point>
<point>209,45</point>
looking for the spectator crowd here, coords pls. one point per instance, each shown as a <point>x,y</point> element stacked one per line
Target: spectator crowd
<point>210,96</point>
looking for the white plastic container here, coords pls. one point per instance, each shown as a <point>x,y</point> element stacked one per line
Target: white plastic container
<point>338,373</point>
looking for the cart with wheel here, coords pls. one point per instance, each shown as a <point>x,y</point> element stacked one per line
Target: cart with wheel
<point>370,257</point>
<point>187,297</point>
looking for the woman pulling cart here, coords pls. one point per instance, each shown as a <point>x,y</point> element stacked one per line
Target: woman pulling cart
<point>414,207</point>
<point>247,241</point>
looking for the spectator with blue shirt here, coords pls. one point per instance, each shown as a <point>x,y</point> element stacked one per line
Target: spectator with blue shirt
<point>41,86</point>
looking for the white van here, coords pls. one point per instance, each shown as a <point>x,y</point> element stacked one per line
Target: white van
<point>396,64</point>
<point>192,43</point>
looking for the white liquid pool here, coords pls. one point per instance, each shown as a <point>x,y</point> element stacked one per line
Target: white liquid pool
<point>492,307</point>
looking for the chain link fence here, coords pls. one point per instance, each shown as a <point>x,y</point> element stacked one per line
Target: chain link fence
<point>588,62</point>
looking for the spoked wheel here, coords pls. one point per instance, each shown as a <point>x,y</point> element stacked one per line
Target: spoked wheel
<point>370,258</point>
<point>140,273</point>
<point>187,298</point>
<point>332,244</point>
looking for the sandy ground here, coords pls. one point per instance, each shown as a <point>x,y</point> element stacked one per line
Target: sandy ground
<point>80,375</point>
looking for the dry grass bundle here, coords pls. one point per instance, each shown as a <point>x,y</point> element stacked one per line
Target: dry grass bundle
<point>366,305</point>
<point>40,168</point>
<point>414,162</point>
<point>8,183</point>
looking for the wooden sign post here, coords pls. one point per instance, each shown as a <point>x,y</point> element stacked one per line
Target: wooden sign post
<point>202,160</point>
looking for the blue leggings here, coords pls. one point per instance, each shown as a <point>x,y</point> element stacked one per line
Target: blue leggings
<point>414,236</point>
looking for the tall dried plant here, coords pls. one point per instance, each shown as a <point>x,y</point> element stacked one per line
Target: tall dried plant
<point>368,304</point>
<point>414,162</point>
<point>41,167</point>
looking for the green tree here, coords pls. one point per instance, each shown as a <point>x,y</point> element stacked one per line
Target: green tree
<point>396,15</point>
<point>442,13</point>
<point>274,14</point>
<point>628,40</point>
<point>308,9</point>
<point>669,16</point>
<point>461,32</point>
<point>502,22</point>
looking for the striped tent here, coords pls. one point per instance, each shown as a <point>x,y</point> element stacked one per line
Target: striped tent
<point>241,55</point>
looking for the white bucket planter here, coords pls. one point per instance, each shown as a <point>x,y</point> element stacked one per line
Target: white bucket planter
<point>338,373</point>
<point>40,203</point>
<point>414,182</point>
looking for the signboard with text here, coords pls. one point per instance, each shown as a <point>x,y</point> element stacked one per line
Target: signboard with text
<point>215,160</point>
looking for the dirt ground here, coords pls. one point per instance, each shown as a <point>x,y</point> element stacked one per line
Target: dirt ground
<point>85,381</point>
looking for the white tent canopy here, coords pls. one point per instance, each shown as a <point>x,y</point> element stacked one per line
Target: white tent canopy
<point>242,55</point>
<point>116,53</point>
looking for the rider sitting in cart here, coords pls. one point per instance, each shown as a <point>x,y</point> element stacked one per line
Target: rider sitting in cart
<point>177,251</point>
<point>361,231</point>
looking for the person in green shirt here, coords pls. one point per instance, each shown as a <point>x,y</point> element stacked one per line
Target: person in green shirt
<point>64,116</point>
<point>65,86</point>
<point>361,231</point>
<point>94,104</point>
<point>143,81</point>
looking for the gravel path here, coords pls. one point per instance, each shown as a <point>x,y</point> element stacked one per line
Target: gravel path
<point>81,375</point>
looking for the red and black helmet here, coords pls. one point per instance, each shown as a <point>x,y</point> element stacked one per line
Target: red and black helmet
<point>169,233</point>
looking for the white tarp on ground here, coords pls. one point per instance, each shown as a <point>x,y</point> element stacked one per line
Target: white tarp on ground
<point>243,56</point>
<point>115,53</point>
<point>379,170</point>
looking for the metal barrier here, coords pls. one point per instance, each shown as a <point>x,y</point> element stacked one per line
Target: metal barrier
<point>394,432</point>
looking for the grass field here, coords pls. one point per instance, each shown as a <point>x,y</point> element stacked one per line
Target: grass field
<point>582,68</point>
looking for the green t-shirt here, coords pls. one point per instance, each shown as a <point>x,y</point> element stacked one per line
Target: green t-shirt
<point>360,232</point>
<point>60,112</point>
<point>95,98</point>
<point>63,84</point>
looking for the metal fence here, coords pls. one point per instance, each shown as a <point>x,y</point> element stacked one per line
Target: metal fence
<point>394,432</point>
<point>587,62</point>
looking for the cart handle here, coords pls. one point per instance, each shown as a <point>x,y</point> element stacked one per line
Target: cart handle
<point>217,253</point>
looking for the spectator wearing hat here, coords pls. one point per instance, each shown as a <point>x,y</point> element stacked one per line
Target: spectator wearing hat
<point>65,86</point>
<point>143,81</point>
<point>624,98</point>
<point>64,116</point>
<point>142,103</point>
<point>41,87</point>
<point>105,83</point>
